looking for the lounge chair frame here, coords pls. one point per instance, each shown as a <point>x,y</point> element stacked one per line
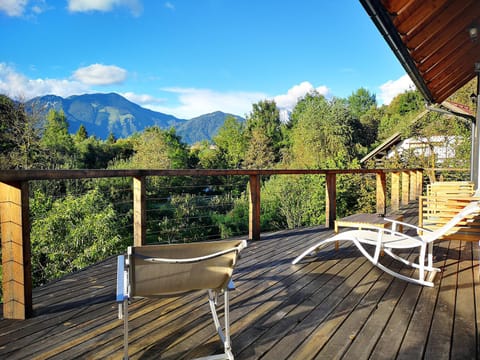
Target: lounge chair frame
<point>166,270</point>
<point>387,240</point>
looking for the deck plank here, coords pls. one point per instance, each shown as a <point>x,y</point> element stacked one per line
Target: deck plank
<point>331,305</point>
<point>464,327</point>
<point>439,339</point>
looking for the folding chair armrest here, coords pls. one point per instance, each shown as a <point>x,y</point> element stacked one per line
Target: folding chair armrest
<point>191,260</point>
<point>396,222</point>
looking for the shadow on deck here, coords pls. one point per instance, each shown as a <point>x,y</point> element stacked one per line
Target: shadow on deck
<point>330,306</point>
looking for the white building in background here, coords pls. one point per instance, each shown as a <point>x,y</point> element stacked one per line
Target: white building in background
<point>442,146</point>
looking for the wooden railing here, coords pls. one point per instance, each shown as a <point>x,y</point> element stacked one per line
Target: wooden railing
<point>406,185</point>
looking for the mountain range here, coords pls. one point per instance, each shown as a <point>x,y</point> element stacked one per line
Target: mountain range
<point>102,114</point>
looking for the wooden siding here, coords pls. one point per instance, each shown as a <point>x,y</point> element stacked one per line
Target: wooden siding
<point>431,40</point>
<point>330,306</point>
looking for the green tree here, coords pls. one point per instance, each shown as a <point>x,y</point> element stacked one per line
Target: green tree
<point>177,150</point>
<point>208,155</point>
<point>57,142</point>
<point>363,107</point>
<point>151,150</point>
<point>260,153</point>
<point>19,135</point>
<point>111,138</point>
<point>360,102</point>
<point>265,119</point>
<point>92,153</point>
<point>369,123</point>
<point>410,101</point>
<point>9,114</point>
<point>155,148</point>
<point>322,135</point>
<point>71,233</point>
<point>296,200</point>
<point>81,134</point>
<point>231,142</point>
<point>400,113</point>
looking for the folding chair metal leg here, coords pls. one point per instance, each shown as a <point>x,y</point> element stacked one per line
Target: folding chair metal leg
<point>125,330</point>
<point>223,333</point>
<point>122,300</point>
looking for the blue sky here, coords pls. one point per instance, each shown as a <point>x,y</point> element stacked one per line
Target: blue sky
<point>191,57</point>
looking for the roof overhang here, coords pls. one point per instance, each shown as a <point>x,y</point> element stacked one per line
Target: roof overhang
<point>432,41</point>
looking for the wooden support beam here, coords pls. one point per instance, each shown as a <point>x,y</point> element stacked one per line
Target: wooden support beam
<point>139,211</point>
<point>16,251</point>
<point>381,193</point>
<point>254,209</point>
<point>330,200</point>
<point>405,187</point>
<point>419,183</point>
<point>395,192</point>
<point>413,185</point>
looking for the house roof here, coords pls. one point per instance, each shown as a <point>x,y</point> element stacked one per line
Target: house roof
<point>432,41</point>
<point>390,142</point>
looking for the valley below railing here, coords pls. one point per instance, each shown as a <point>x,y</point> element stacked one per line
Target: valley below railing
<point>404,185</point>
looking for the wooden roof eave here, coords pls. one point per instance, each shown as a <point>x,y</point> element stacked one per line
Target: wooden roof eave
<point>386,27</point>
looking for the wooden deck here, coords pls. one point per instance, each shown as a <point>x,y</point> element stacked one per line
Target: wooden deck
<point>335,305</point>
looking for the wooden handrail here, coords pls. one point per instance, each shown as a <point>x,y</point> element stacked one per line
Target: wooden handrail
<point>29,175</point>
<point>14,211</point>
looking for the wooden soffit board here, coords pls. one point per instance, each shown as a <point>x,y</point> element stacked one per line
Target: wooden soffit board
<point>432,41</point>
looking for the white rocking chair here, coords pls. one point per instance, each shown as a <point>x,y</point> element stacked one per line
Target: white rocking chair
<point>387,240</point>
<point>168,270</point>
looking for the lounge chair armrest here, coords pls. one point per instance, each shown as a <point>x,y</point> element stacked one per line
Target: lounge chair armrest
<point>396,222</point>
<point>236,249</point>
<point>400,235</point>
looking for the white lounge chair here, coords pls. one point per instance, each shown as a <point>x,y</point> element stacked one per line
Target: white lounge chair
<point>168,270</point>
<point>387,240</point>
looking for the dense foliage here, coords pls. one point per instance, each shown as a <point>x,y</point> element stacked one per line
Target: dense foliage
<point>76,223</point>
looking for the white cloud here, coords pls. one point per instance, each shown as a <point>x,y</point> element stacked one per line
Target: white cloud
<point>289,100</point>
<point>40,7</point>
<point>18,86</point>
<point>169,5</point>
<point>99,74</point>
<point>195,102</point>
<point>394,87</point>
<point>13,7</point>
<point>187,103</point>
<point>135,6</point>
<point>142,99</point>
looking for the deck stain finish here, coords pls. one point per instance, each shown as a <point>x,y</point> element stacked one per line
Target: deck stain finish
<point>331,305</point>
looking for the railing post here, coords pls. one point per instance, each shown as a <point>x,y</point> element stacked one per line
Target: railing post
<point>16,250</point>
<point>395,195</point>
<point>330,200</point>
<point>419,183</point>
<point>254,209</point>
<point>381,193</point>
<point>139,211</point>
<point>413,185</point>
<point>405,185</point>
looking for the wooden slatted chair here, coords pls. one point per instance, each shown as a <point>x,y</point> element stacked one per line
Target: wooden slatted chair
<point>389,240</point>
<point>168,270</point>
<point>442,201</point>
<point>450,188</point>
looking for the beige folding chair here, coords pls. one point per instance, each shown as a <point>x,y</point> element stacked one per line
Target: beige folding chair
<point>168,270</point>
